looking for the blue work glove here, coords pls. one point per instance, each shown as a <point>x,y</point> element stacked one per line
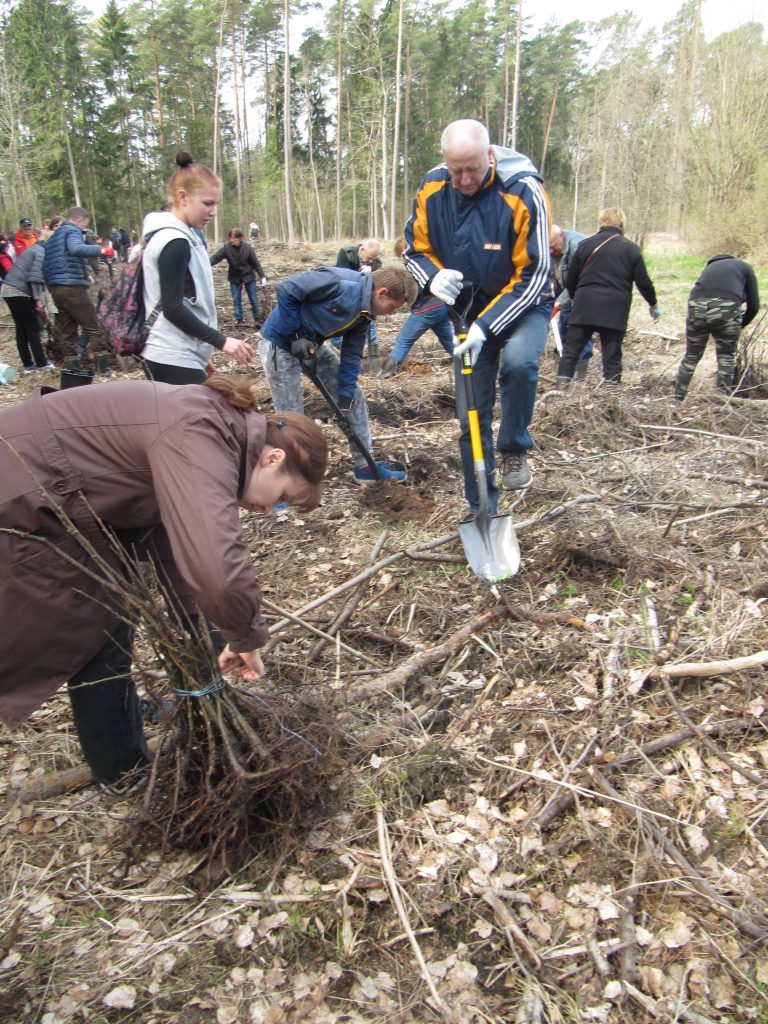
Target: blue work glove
<point>446,285</point>
<point>656,312</point>
<point>472,343</point>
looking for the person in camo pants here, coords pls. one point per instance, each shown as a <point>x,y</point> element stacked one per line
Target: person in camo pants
<point>714,307</point>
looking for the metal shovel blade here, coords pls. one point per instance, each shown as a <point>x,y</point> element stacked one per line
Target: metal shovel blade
<point>491,547</point>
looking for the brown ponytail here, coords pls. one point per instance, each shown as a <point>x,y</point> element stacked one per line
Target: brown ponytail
<point>192,176</point>
<point>305,447</point>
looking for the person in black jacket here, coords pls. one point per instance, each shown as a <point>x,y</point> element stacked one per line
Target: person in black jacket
<point>714,307</point>
<point>600,279</point>
<point>244,267</point>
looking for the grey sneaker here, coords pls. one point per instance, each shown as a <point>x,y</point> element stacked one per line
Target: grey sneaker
<point>515,474</point>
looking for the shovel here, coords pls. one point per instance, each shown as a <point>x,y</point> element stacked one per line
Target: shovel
<point>309,366</point>
<point>490,543</point>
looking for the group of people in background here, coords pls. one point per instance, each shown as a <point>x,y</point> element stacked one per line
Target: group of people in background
<point>173,464</point>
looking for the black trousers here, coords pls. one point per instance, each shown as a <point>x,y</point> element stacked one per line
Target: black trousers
<point>610,349</point>
<point>28,343</point>
<point>166,373</point>
<point>106,710</point>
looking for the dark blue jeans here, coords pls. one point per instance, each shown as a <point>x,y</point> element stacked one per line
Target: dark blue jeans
<point>515,361</point>
<point>236,288</point>
<point>106,710</point>
<point>416,325</point>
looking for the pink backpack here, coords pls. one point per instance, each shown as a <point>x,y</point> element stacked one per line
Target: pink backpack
<point>122,315</point>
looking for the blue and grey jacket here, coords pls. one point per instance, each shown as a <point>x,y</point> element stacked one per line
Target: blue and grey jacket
<point>498,238</point>
<point>571,241</point>
<point>328,302</point>
<point>27,270</point>
<point>65,256</point>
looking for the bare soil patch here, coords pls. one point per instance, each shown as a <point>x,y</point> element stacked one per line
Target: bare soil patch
<point>557,806</point>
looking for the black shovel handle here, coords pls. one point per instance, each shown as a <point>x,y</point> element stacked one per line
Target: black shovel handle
<point>309,367</point>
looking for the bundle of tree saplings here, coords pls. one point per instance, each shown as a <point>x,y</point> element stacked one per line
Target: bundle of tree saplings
<point>751,374</point>
<point>236,765</point>
<point>235,769</point>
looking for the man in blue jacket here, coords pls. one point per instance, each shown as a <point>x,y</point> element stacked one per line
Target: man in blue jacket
<point>481,219</point>
<point>66,276</point>
<point>322,304</point>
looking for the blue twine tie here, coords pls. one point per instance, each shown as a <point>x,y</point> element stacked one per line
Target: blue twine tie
<point>213,687</point>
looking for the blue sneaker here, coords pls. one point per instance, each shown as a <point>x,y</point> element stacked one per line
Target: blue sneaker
<point>364,474</point>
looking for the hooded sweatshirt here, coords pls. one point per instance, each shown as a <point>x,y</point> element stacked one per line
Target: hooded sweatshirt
<point>185,333</point>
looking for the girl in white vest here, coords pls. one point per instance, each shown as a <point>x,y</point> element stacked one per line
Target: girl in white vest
<point>179,283</point>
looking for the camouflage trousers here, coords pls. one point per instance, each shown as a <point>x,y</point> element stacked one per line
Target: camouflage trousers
<point>722,319</point>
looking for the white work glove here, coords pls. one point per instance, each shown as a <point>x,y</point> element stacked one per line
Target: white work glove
<point>365,269</point>
<point>446,285</point>
<point>263,282</point>
<point>473,342</point>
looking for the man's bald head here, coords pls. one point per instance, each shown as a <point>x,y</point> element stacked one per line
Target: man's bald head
<point>466,151</point>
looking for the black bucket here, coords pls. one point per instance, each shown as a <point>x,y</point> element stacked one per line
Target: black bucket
<point>75,378</point>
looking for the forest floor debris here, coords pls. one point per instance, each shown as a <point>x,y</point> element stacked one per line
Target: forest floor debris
<point>555,813</point>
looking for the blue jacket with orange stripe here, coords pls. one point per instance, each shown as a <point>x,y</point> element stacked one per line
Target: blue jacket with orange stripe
<point>329,302</point>
<point>498,238</point>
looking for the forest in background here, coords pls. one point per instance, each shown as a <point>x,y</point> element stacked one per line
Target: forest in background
<point>667,125</point>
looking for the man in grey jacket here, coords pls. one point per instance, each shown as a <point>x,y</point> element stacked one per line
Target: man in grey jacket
<point>65,272</point>
<point>563,243</point>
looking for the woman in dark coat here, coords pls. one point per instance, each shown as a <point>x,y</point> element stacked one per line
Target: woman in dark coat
<point>600,279</point>
<point>142,463</point>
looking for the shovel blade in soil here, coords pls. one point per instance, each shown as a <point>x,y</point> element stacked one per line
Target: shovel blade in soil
<point>491,547</point>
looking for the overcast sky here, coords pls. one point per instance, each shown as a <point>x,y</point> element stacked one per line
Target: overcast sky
<point>718,15</point>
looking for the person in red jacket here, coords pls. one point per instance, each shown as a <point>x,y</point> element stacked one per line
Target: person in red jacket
<point>6,259</point>
<point>25,236</point>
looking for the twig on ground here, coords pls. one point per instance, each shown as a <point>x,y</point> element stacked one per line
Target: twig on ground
<point>739,918</point>
<point>515,935</point>
<point>297,620</point>
<point>350,605</point>
<point>417,662</point>
<point>708,742</point>
<point>709,669</point>
<point>394,891</point>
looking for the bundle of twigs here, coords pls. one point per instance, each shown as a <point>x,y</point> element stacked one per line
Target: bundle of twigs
<point>751,372</point>
<point>235,770</point>
<point>237,765</point>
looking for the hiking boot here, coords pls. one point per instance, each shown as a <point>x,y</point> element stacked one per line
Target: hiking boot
<point>515,474</point>
<point>390,368</point>
<point>364,474</point>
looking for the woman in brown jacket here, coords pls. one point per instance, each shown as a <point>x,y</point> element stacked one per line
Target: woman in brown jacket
<point>158,466</point>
